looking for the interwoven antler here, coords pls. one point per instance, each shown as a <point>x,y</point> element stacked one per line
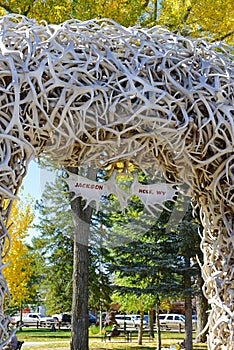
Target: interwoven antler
<point>97,92</point>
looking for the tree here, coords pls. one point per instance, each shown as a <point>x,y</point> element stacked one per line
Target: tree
<point>131,301</point>
<point>126,12</point>
<point>188,248</point>
<point>82,219</point>
<point>201,306</point>
<point>54,246</point>
<point>19,271</point>
<point>161,260</point>
<point>212,19</point>
<point>68,264</point>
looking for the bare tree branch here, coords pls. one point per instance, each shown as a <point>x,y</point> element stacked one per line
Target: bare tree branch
<point>223,37</point>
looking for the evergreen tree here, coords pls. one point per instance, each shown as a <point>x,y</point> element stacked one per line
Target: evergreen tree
<point>160,261</point>
<point>54,247</point>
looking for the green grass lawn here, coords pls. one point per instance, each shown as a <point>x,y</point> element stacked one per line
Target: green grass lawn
<point>42,335</point>
<point>61,338</point>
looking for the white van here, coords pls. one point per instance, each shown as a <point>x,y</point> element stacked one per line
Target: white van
<point>172,321</point>
<point>175,321</point>
<point>129,321</point>
<point>32,319</point>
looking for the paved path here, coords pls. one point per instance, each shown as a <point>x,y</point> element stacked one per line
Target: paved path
<point>28,344</point>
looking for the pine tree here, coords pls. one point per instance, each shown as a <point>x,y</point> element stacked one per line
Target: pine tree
<point>54,245</point>
<point>159,262</point>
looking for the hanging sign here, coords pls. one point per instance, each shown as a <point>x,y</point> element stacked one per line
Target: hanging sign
<point>150,195</point>
<point>92,190</point>
<point>153,194</point>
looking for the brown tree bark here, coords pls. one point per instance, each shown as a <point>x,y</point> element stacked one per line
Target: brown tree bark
<point>79,326</point>
<point>157,307</point>
<point>188,308</point>
<point>202,315</point>
<point>140,329</point>
<point>151,323</point>
<point>80,321</point>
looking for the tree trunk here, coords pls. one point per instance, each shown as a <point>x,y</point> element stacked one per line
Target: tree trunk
<point>202,316</point>
<point>80,321</point>
<point>155,10</point>
<point>159,343</point>
<point>79,331</point>
<point>151,323</point>
<point>188,308</point>
<point>140,329</point>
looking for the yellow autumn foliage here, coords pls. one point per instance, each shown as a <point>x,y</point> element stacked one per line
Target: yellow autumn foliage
<point>126,12</point>
<point>18,272</point>
<point>212,19</point>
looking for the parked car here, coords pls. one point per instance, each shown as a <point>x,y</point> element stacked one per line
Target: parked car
<point>129,321</point>
<point>92,319</point>
<point>32,319</point>
<point>146,318</point>
<point>64,319</point>
<point>172,321</point>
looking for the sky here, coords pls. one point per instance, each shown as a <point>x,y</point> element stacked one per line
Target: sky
<point>33,185</point>
<point>32,181</point>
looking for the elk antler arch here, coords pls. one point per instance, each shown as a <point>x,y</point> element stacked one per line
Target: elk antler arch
<point>98,92</point>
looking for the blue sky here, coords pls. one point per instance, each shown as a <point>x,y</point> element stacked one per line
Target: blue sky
<point>32,183</point>
<point>35,180</point>
<point>33,186</point>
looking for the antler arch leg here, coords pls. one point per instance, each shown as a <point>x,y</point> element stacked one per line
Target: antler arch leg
<point>217,270</point>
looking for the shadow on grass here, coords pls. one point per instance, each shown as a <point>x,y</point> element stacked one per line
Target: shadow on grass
<point>43,334</point>
<point>95,341</point>
<point>120,346</point>
<point>125,348</point>
<point>147,345</point>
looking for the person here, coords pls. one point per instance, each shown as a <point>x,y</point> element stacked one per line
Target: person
<point>182,345</point>
<point>53,329</point>
<point>113,333</point>
<point>110,319</point>
<point>14,344</point>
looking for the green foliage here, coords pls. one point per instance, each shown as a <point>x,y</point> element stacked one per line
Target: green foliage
<point>131,302</point>
<point>154,262</point>
<point>54,247</point>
